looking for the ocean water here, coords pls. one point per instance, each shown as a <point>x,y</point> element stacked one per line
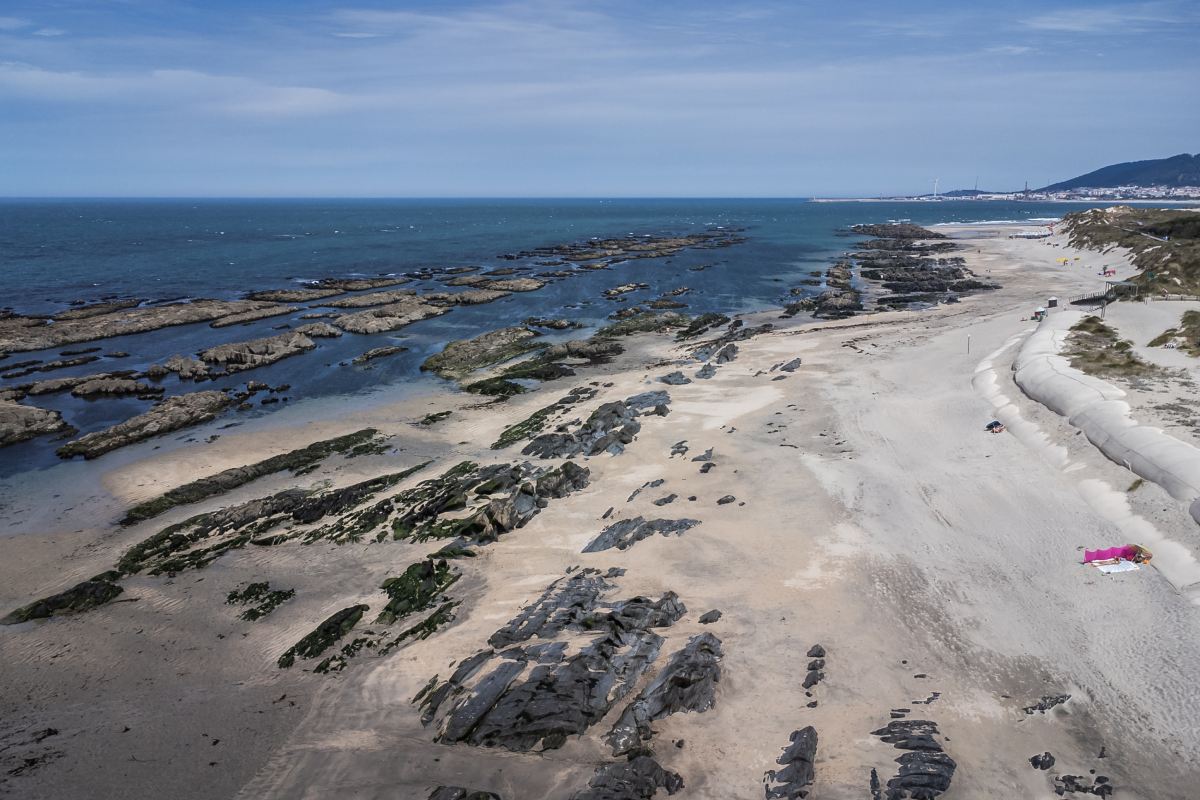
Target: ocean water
<point>54,252</point>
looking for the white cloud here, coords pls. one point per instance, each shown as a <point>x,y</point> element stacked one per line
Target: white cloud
<point>13,23</point>
<point>181,90</point>
<point>358,35</point>
<point>1009,50</point>
<point>49,32</point>
<point>1105,19</point>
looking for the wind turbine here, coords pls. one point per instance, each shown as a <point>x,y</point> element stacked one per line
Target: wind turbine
<point>935,188</point>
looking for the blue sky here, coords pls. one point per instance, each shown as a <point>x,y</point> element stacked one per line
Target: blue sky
<point>562,98</point>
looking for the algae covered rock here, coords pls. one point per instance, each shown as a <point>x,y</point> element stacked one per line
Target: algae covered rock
<point>82,596</point>
<point>325,635</point>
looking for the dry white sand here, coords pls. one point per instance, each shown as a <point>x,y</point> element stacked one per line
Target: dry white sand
<point>925,555</point>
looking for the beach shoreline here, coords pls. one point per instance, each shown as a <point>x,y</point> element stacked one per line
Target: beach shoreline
<point>936,564</point>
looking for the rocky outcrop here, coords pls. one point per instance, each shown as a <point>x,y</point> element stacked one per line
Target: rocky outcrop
<point>896,230</point>
<point>372,299</point>
<point>523,695</point>
<point>252,315</point>
<point>319,330</point>
<point>687,683</point>
<point>114,387</point>
<point>650,322</point>
<point>240,356</point>
<point>625,533</point>
<point>632,246</point>
<point>389,317</point>
<point>186,367</point>
<point>19,422</point>
<point>230,479</point>
<point>798,773</point>
<point>325,635</point>
<point>359,284</point>
<point>538,420</point>
<point>20,334</point>
<point>169,415</point>
<point>462,357</point>
<point>639,778</point>
<point>459,793</point>
<point>608,429</point>
<point>85,310</point>
<point>925,770</point>
<point>379,352</point>
<point>304,295</point>
<point>552,324</point>
<point>83,596</point>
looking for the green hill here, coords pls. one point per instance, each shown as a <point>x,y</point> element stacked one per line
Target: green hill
<point>1180,170</point>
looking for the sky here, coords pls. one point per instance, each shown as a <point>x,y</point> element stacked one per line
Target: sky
<point>608,98</point>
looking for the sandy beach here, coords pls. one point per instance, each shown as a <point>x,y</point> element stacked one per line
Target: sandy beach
<point>936,565</point>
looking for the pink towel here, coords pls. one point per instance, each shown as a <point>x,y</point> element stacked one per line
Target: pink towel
<point>1126,551</point>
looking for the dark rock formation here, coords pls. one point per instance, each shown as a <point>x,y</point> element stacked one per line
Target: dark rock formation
<point>540,418</point>
<point>791,366</point>
<point>701,325</point>
<point>1100,786</point>
<point>610,428</point>
<point>925,770</point>
<point>462,357</point>
<point>798,771</point>
<point>639,778</point>
<point>1046,703</point>
<point>687,683</point>
<point>706,372</point>
<point>1043,761</point>
<point>459,793</point>
<point>726,500</point>
<point>379,352</point>
<point>627,532</point>
<point>709,617</point>
<point>521,696</point>
<point>896,230</point>
<point>234,477</point>
<point>325,634</point>
<point>91,593</point>
<point>676,378</point>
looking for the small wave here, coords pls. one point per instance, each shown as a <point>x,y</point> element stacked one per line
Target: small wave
<point>1035,220</point>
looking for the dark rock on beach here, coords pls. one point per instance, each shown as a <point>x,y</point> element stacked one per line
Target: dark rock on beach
<point>687,683</point>
<point>639,778</point>
<point>83,596</point>
<point>798,773</point>
<point>627,532</point>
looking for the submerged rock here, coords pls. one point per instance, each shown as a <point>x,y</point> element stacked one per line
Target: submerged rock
<point>379,352</point>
